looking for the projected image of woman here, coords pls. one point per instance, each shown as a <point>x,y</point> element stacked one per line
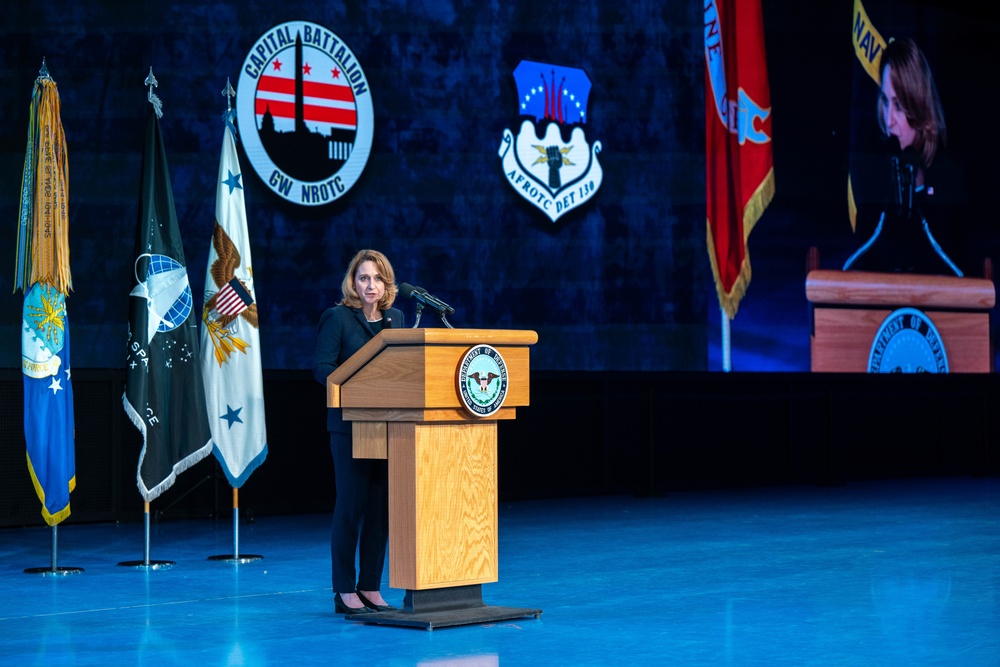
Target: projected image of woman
<point>909,108</point>
<point>922,221</point>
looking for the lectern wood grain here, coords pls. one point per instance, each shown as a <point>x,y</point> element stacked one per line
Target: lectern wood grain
<point>443,490</point>
<point>842,339</point>
<point>370,440</point>
<point>899,289</point>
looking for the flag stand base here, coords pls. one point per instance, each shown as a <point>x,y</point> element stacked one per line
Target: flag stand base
<point>148,564</point>
<point>229,558</point>
<point>53,572</point>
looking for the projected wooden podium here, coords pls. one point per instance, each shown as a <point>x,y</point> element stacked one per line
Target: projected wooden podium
<point>429,401</point>
<point>852,328</point>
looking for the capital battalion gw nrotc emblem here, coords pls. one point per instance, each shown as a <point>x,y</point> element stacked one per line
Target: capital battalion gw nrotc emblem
<point>305,113</point>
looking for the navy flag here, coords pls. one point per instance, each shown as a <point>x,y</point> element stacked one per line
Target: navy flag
<point>867,172</point>
<point>164,394</point>
<point>42,272</point>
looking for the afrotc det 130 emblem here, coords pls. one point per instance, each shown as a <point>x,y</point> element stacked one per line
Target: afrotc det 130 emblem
<point>549,162</point>
<point>305,113</point>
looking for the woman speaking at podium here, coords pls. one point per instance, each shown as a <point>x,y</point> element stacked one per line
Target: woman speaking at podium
<point>923,220</point>
<point>361,511</point>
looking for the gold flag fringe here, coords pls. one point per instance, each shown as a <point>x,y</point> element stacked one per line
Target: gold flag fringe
<point>752,212</point>
<point>45,215</point>
<point>852,205</point>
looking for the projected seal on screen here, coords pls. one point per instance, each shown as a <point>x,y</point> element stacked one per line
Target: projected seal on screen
<point>482,380</point>
<point>305,113</point>
<point>907,342</point>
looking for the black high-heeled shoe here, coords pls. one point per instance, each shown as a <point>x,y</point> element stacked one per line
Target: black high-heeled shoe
<point>375,607</point>
<point>341,607</point>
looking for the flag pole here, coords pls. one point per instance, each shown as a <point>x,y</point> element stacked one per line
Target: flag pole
<point>727,361</point>
<point>54,570</point>
<point>146,563</point>
<point>235,557</point>
<point>236,523</point>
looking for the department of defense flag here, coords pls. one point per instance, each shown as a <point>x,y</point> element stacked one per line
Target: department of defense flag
<point>230,339</point>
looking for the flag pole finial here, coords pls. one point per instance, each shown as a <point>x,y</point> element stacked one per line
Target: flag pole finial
<point>229,93</point>
<point>230,116</point>
<point>151,83</point>
<point>43,73</point>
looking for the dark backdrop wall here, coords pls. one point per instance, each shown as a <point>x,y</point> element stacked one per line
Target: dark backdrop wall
<point>618,283</point>
<point>621,283</point>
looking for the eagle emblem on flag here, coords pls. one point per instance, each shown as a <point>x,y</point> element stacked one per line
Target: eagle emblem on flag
<point>233,301</point>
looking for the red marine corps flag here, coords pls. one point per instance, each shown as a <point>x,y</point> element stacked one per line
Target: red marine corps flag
<point>738,151</point>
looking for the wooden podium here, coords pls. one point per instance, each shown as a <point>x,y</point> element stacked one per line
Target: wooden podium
<point>850,307</point>
<point>401,392</point>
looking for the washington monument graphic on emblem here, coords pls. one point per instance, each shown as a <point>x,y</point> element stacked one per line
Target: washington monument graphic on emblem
<point>305,113</point>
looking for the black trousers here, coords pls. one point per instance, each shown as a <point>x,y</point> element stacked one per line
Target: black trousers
<point>360,518</point>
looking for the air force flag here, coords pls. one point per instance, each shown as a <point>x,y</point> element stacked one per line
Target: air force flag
<point>42,271</point>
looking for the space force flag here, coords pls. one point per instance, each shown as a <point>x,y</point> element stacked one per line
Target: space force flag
<point>230,339</point>
<point>42,272</point>
<point>164,392</point>
<point>738,150</point>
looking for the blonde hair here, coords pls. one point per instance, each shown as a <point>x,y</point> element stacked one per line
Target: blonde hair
<point>917,94</point>
<point>351,297</point>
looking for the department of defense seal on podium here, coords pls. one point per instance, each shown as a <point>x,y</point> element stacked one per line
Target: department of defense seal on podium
<point>482,380</point>
<point>907,342</point>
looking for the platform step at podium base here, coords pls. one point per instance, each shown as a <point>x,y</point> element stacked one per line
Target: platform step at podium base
<point>445,607</point>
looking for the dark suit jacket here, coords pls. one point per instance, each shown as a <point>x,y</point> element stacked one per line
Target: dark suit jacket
<point>342,332</point>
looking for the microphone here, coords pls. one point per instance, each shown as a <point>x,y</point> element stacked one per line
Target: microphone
<point>904,163</point>
<point>420,295</point>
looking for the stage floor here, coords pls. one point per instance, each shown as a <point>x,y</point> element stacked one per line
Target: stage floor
<point>873,573</point>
